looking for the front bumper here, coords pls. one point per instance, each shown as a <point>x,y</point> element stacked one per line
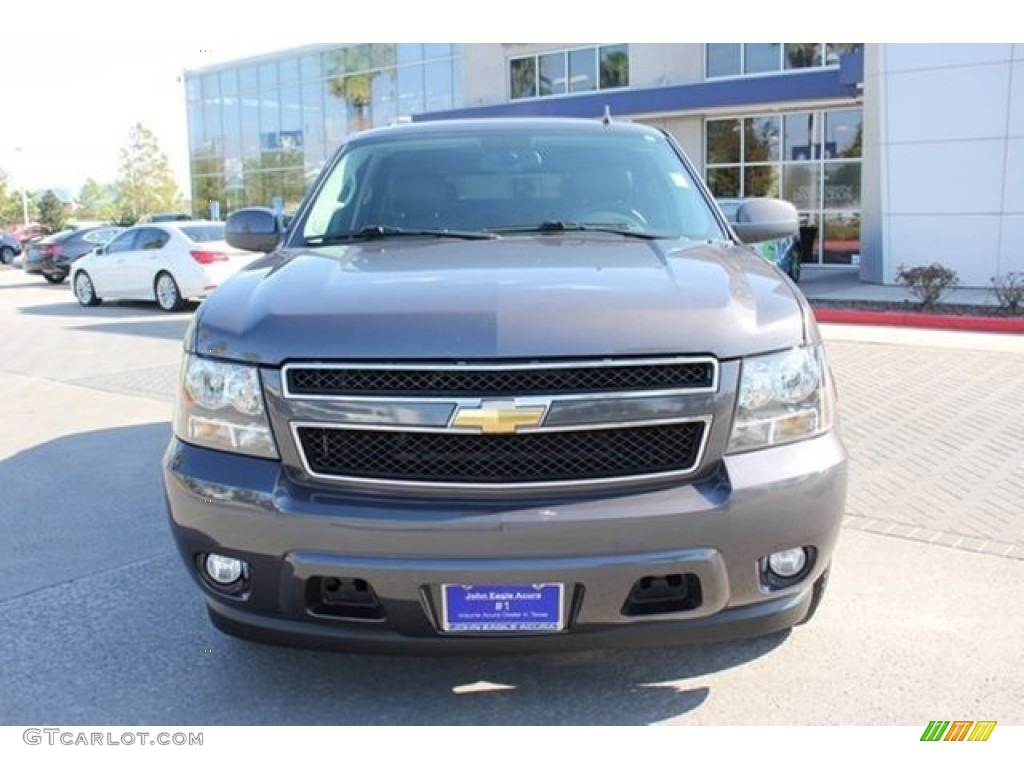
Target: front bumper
<point>714,530</point>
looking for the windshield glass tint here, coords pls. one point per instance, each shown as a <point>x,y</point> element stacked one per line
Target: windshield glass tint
<point>204,233</point>
<point>506,180</point>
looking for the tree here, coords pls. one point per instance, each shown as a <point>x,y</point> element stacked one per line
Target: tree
<point>94,202</point>
<point>144,183</point>
<point>11,205</point>
<point>52,213</point>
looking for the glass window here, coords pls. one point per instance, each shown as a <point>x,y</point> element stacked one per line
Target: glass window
<point>123,242</point>
<point>192,90</point>
<point>438,83</point>
<point>309,67</point>
<point>409,53</point>
<point>760,139</point>
<point>312,113</point>
<point>288,70</point>
<point>382,55</point>
<point>250,126</point>
<point>724,182</point>
<point>457,84</point>
<point>802,55</point>
<point>384,103</point>
<point>151,239</point>
<point>523,78</point>
<point>249,80</point>
<point>842,185</point>
<point>203,233</point>
<point>213,132</point>
<point>437,50</point>
<point>800,183</point>
<point>335,112</point>
<point>614,66</point>
<point>270,120</point>
<point>582,70</point>
<point>723,59</point>
<point>411,95</point>
<point>843,133</point>
<point>834,50</point>
<point>552,74</point>
<point>762,57</point>
<point>801,136</point>
<point>268,76</point>
<point>841,241</point>
<point>760,181</point>
<point>229,83</point>
<point>723,141</point>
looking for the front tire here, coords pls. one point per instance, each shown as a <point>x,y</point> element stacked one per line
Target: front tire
<point>85,291</point>
<point>6,255</point>
<point>168,295</point>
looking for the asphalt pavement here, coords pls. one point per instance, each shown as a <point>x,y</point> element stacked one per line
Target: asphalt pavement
<point>100,624</point>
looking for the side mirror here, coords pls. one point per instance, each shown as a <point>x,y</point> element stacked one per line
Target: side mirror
<point>765,218</point>
<point>99,250</point>
<point>253,229</point>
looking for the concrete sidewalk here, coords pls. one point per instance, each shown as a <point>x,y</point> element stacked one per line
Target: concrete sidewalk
<point>844,284</point>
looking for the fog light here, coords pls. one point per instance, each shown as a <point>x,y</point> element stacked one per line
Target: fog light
<point>787,563</point>
<point>223,570</point>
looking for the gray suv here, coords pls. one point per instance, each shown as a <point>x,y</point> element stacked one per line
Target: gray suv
<point>504,385</point>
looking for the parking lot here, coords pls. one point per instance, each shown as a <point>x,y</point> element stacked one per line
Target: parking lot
<point>99,622</point>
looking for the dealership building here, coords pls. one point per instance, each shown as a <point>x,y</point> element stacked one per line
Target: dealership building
<point>893,153</point>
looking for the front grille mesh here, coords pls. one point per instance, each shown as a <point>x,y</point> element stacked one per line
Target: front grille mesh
<point>520,458</point>
<point>445,382</point>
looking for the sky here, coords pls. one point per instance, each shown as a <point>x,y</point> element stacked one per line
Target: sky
<point>68,101</point>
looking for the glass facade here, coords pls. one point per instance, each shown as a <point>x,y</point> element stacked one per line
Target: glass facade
<point>733,59</point>
<point>574,70</point>
<point>261,131</point>
<point>810,158</point>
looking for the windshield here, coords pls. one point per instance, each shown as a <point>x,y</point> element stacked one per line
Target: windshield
<point>510,181</point>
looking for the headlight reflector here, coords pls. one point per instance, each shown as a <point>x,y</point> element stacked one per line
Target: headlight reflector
<point>220,406</point>
<point>783,397</point>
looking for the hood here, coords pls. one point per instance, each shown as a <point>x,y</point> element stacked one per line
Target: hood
<point>513,298</point>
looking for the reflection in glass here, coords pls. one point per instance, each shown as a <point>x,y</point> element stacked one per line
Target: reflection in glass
<point>250,126</point>
<point>762,57</point>
<point>309,67</point>
<point>800,183</point>
<point>810,237</point>
<point>844,133</point>
<point>436,50</point>
<point>802,55</point>
<point>582,70</point>
<point>834,50</point>
<point>723,59</point>
<point>841,242</point>
<point>409,53</point>
<point>614,66</point>
<point>523,78</point>
<point>312,113</point>
<point>801,136</point>
<point>248,80</point>
<point>760,139</point>
<point>842,185</point>
<point>411,97</point>
<point>723,141</point>
<point>724,182</point>
<point>288,70</point>
<point>383,101</point>
<point>552,74</point>
<point>760,181</point>
<point>437,77</point>
<point>268,76</point>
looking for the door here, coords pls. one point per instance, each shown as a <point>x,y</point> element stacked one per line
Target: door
<point>140,265</point>
<point>106,269</point>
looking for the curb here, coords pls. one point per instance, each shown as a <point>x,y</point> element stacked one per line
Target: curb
<point>921,320</point>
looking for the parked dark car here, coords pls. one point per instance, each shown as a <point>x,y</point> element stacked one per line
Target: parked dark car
<point>52,256</point>
<point>785,253</point>
<point>9,248</point>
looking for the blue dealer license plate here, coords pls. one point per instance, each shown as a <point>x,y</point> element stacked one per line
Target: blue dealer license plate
<point>502,607</point>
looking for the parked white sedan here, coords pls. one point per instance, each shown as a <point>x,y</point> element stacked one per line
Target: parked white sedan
<point>167,263</point>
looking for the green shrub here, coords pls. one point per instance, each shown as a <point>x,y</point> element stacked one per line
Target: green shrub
<point>928,283</point>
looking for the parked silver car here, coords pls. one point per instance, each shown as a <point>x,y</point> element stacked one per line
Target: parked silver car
<point>9,248</point>
<point>504,385</point>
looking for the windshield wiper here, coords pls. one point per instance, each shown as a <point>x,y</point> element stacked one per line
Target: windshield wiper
<point>575,226</point>
<point>381,231</point>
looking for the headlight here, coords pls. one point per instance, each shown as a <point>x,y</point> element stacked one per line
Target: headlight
<point>220,405</point>
<point>783,397</point>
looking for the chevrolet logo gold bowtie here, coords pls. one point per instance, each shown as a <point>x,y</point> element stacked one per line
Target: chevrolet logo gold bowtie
<point>498,418</point>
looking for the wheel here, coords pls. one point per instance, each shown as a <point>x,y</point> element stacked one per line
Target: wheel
<point>6,255</point>
<point>85,292</point>
<point>168,296</point>
<point>54,279</point>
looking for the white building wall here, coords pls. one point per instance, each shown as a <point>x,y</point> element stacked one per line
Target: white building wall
<point>943,159</point>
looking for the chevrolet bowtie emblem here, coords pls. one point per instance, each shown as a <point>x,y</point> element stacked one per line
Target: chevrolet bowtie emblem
<point>498,418</point>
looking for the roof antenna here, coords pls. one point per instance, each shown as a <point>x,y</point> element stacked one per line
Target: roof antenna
<point>607,119</point>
